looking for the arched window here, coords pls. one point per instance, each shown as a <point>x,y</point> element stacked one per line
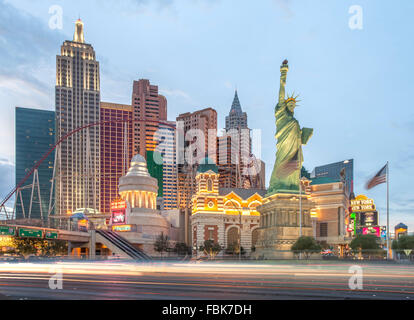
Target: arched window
<point>209,185</point>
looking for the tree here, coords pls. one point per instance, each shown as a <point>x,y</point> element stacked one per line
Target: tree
<point>162,244</point>
<point>306,245</point>
<point>403,243</point>
<point>365,243</point>
<point>304,173</point>
<point>54,248</point>
<point>210,248</point>
<point>27,246</point>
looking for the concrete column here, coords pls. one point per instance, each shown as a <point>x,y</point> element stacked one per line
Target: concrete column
<point>92,244</point>
<point>69,248</point>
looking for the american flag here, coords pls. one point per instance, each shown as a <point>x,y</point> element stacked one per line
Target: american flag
<point>380,177</point>
<point>289,167</point>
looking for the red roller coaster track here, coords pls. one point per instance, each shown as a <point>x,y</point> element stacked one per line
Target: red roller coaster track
<point>100,123</point>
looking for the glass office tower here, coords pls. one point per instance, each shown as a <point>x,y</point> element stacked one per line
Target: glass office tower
<point>35,135</point>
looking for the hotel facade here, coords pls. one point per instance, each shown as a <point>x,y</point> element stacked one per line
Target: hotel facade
<point>227,216</point>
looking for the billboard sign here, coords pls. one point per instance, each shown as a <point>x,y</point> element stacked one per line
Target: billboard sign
<point>369,218</point>
<point>362,204</point>
<point>118,212</point>
<point>124,228</point>
<point>371,230</point>
<point>384,232</point>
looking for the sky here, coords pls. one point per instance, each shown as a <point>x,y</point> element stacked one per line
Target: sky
<point>354,84</point>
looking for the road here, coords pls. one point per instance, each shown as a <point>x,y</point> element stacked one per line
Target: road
<point>245,281</point>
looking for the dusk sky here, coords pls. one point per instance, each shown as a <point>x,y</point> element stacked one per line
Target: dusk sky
<point>355,85</point>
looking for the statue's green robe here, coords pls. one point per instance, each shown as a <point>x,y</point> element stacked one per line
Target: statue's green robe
<point>289,148</point>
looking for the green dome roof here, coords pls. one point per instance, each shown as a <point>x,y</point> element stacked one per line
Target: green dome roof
<point>207,164</point>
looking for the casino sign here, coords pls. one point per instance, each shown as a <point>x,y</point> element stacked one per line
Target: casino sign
<point>362,204</point>
<point>118,212</point>
<point>363,218</point>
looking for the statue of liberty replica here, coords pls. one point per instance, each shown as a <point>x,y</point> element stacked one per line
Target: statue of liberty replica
<point>285,212</point>
<point>290,138</point>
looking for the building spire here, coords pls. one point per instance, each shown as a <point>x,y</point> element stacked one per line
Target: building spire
<point>78,35</point>
<point>236,107</point>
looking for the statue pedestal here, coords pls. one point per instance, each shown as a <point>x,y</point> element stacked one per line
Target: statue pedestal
<point>280,225</point>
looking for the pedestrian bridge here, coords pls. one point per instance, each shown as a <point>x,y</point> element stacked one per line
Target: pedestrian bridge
<point>30,231</point>
<point>80,242</point>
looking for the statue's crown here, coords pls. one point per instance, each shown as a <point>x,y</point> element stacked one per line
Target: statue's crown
<point>292,98</point>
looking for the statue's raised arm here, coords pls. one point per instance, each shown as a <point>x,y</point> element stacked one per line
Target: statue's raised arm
<point>283,75</point>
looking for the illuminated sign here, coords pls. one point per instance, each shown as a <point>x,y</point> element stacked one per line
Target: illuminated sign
<point>352,222</point>
<point>123,228</point>
<point>384,232</point>
<point>371,230</point>
<point>118,209</point>
<point>351,226</point>
<point>369,218</point>
<point>30,233</point>
<point>6,241</point>
<point>83,225</point>
<point>118,217</point>
<point>362,204</point>
<point>7,231</point>
<point>118,204</point>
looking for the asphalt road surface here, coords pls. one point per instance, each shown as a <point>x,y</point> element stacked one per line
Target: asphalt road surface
<point>245,281</point>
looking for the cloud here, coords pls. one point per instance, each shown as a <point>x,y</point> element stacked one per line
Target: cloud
<point>228,85</point>
<point>27,45</point>
<point>285,5</point>
<point>175,93</point>
<point>6,177</point>
<point>160,3</point>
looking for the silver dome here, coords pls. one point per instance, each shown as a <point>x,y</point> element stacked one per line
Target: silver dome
<point>138,167</point>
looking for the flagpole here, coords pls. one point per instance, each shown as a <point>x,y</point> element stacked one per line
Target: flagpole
<point>388,211</point>
<point>300,197</point>
<point>300,190</point>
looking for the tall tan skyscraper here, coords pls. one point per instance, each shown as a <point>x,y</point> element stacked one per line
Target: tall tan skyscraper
<point>147,104</point>
<point>77,101</point>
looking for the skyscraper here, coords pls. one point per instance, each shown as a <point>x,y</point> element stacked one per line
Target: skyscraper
<point>206,122</point>
<point>77,94</point>
<point>167,149</point>
<point>235,161</point>
<point>147,104</point>
<point>236,118</point>
<point>35,135</point>
<point>116,150</point>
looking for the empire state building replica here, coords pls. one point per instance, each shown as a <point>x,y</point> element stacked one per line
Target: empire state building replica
<point>77,94</point>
